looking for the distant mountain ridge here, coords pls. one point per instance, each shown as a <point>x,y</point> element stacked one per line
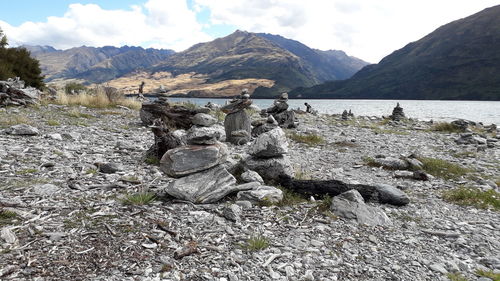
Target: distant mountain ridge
<point>256,55</point>
<point>459,60</point>
<point>93,64</point>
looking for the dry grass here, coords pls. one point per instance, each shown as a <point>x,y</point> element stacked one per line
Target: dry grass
<point>445,127</point>
<point>98,100</point>
<point>14,119</point>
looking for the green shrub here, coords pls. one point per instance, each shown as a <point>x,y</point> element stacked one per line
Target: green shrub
<point>488,274</point>
<point>474,197</point>
<point>456,277</point>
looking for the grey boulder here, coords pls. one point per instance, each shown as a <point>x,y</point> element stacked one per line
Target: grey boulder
<point>388,194</point>
<point>264,194</point>
<point>205,120</point>
<point>203,135</point>
<point>251,176</point>
<point>270,144</point>
<point>189,159</point>
<point>204,187</point>
<point>350,205</point>
<point>392,163</point>
<point>270,168</point>
<point>22,130</point>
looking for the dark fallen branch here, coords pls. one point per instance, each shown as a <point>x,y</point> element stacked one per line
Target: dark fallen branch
<point>380,193</point>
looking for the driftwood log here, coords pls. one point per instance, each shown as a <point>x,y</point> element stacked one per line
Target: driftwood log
<point>173,116</point>
<point>375,193</point>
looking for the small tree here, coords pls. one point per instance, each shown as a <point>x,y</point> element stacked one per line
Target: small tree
<point>3,39</point>
<point>18,62</point>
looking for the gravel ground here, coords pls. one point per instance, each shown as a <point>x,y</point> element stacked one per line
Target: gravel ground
<point>73,222</point>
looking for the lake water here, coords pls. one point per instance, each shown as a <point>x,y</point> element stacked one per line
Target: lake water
<point>480,111</point>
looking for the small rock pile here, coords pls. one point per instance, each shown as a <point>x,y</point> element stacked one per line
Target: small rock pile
<point>481,142</point>
<point>285,118</point>
<point>263,125</point>
<point>397,113</point>
<point>268,156</point>
<point>13,92</point>
<point>237,122</point>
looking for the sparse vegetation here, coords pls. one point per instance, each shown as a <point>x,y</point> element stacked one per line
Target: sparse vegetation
<point>140,198</point>
<point>256,243</point>
<point>74,88</point>
<point>6,217</point>
<point>152,160</point>
<point>78,114</point>
<point>218,114</point>
<point>445,127</point>
<point>345,144</point>
<point>290,198</point>
<point>389,131</point>
<point>14,119</point>
<point>26,171</point>
<point>442,168</point>
<point>100,99</point>
<point>489,274</point>
<point>53,122</point>
<point>474,197</point>
<point>310,140</point>
<point>456,277</point>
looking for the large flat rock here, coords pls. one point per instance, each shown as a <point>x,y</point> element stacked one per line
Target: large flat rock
<point>204,187</point>
<point>189,159</point>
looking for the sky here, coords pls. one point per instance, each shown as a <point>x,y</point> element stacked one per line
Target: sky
<point>367,29</point>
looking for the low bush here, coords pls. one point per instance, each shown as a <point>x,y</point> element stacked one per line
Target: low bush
<point>310,140</point>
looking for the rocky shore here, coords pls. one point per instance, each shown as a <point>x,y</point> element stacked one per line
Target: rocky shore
<point>70,179</point>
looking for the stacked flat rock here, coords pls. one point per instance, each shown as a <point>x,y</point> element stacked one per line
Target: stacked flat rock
<point>205,130</point>
<point>397,113</point>
<point>279,110</point>
<point>13,92</point>
<point>237,123</point>
<point>268,156</point>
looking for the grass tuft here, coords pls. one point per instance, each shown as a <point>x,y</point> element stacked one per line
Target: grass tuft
<point>256,243</point>
<point>474,197</point>
<point>218,114</point>
<point>141,198</point>
<point>290,198</point>
<point>442,168</point>
<point>310,140</point>
<point>26,171</point>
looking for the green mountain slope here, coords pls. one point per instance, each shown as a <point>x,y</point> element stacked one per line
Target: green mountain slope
<point>460,60</point>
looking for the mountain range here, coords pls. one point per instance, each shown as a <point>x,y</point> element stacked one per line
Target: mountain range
<point>459,60</point>
<point>95,65</point>
<point>240,55</point>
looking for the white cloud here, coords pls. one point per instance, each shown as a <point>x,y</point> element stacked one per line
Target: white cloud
<point>364,28</point>
<point>161,24</point>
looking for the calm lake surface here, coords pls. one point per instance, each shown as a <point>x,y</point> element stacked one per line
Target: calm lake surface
<point>480,111</point>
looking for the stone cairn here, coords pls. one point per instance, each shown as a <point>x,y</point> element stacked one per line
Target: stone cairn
<point>345,115</point>
<point>197,164</point>
<point>13,92</point>
<point>279,110</point>
<point>397,113</point>
<point>268,155</point>
<point>237,122</point>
